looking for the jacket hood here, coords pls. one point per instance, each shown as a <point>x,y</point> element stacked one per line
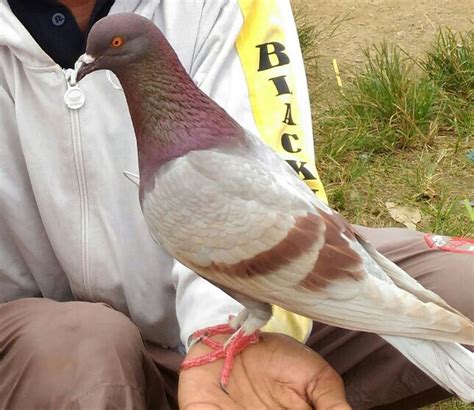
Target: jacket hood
<point>16,37</point>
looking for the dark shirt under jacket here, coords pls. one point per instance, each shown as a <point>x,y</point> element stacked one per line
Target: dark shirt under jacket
<point>54,28</point>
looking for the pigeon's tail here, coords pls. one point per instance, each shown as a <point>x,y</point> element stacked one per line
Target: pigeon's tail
<point>448,364</point>
<point>404,281</point>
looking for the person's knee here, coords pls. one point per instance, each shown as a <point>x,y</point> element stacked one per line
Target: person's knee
<point>75,355</point>
<point>453,279</point>
<point>86,338</point>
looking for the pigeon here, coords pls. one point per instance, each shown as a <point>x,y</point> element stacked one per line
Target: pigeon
<point>227,206</point>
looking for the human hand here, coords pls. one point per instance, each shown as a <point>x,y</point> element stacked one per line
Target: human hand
<point>276,373</point>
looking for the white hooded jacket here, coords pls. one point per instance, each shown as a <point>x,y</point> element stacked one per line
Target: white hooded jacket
<point>71,226</point>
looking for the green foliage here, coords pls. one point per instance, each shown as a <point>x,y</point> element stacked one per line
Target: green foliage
<point>399,132</point>
<point>450,63</point>
<point>384,107</point>
<point>456,116</point>
<point>390,106</point>
<point>452,404</point>
<point>386,97</point>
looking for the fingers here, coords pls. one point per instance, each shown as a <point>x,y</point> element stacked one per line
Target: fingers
<point>326,391</point>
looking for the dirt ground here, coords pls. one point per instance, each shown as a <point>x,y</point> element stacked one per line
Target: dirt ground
<point>411,24</point>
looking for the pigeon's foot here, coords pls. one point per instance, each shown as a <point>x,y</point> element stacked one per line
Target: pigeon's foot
<point>244,329</point>
<point>235,322</point>
<point>203,335</point>
<point>227,351</point>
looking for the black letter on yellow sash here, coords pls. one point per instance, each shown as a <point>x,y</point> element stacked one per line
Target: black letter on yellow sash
<point>288,119</point>
<point>286,143</point>
<point>299,167</point>
<point>264,62</point>
<point>281,85</point>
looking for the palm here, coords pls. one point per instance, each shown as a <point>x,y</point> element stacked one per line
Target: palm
<point>277,372</point>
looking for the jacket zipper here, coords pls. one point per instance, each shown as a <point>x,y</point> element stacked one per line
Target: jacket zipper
<point>74,98</point>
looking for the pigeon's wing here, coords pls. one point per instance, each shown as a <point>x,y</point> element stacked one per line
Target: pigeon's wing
<point>242,220</point>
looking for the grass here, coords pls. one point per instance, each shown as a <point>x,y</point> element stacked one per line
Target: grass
<point>449,405</point>
<point>310,36</point>
<point>450,63</point>
<point>383,108</point>
<point>399,131</point>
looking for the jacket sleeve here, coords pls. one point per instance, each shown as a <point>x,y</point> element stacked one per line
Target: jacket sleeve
<point>199,304</point>
<point>247,58</point>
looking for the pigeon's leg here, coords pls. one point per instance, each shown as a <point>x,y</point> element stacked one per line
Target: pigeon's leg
<point>202,335</point>
<point>246,335</point>
<point>244,328</point>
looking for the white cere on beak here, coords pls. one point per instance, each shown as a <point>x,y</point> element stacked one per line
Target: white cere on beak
<point>85,59</point>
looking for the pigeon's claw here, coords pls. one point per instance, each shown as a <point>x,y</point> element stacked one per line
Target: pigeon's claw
<point>227,351</point>
<point>237,344</point>
<point>203,335</point>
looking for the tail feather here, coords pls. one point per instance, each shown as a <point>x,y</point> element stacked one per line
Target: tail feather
<point>448,364</point>
<point>382,307</point>
<point>404,280</point>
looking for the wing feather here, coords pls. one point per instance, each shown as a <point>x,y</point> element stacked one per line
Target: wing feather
<point>255,228</point>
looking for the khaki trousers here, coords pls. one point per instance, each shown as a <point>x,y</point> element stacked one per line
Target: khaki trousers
<point>80,355</point>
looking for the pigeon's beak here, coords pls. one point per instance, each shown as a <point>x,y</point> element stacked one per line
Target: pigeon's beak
<point>85,64</point>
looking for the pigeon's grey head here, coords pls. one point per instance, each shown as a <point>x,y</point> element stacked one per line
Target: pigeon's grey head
<point>115,41</point>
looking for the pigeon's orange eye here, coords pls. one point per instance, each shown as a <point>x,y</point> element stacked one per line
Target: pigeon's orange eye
<point>116,42</point>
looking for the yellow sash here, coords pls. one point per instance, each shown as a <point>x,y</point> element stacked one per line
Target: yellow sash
<point>278,107</point>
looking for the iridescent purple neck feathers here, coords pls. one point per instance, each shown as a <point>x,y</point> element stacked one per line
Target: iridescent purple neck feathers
<point>171,116</point>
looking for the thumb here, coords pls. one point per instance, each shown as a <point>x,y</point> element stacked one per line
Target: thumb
<point>326,391</point>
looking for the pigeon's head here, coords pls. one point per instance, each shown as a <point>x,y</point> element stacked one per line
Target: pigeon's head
<point>116,41</point>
